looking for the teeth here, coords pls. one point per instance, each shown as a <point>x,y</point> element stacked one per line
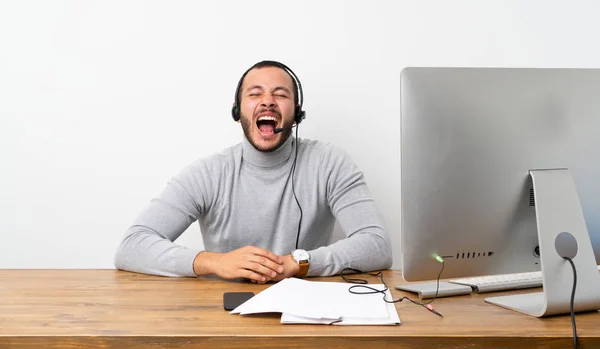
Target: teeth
<point>267,118</point>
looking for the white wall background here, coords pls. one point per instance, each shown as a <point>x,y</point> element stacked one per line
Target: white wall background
<point>101,102</point>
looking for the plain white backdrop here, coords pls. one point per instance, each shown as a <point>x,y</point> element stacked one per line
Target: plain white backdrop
<point>102,102</point>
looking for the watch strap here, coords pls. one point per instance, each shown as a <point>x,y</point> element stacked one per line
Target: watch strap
<point>303,269</point>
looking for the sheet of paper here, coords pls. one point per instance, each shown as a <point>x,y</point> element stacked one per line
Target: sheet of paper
<point>318,300</point>
<point>391,319</point>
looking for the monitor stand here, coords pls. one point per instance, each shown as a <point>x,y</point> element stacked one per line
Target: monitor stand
<point>558,210</point>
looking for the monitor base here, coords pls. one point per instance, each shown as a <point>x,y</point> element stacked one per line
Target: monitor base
<point>558,212</point>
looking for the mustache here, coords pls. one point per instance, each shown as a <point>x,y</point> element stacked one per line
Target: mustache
<point>269,110</point>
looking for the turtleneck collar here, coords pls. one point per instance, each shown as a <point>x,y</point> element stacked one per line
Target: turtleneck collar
<point>267,159</point>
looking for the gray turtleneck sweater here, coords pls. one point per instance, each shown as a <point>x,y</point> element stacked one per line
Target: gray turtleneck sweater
<point>242,196</point>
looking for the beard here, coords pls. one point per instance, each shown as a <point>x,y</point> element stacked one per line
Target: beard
<point>247,126</point>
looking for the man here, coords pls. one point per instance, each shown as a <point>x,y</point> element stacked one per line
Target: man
<point>267,206</point>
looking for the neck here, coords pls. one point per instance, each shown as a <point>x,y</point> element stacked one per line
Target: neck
<point>267,159</point>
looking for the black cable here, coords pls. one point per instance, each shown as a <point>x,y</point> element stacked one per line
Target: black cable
<point>437,286</point>
<point>356,280</point>
<point>372,290</point>
<point>294,191</point>
<point>573,324</point>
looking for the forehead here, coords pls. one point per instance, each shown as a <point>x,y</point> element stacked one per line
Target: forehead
<point>268,77</point>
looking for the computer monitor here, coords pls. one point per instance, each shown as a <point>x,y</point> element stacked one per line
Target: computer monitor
<point>472,141</point>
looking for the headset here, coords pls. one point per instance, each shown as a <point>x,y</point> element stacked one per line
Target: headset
<point>299,114</point>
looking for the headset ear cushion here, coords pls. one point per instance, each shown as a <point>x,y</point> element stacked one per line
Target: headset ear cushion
<point>235,113</point>
<point>298,114</point>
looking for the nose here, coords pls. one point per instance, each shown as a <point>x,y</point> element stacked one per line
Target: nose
<point>267,101</point>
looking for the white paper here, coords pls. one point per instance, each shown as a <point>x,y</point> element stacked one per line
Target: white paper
<point>392,318</point>
<point>303,301</point>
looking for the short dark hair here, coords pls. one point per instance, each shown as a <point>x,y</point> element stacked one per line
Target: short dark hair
<point>268,64</point>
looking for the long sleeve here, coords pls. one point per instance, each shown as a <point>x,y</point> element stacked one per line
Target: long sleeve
<point>367,245</point>
<point>148,246</point>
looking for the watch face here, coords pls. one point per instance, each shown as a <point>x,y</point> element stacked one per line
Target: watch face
<point>300,255</point>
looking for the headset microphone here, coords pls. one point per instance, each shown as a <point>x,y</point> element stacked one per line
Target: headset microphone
<point>281,129</point>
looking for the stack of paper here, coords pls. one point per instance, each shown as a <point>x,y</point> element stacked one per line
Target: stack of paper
<point>314,302</point>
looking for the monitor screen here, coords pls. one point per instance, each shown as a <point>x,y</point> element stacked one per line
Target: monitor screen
<point>469,139</point>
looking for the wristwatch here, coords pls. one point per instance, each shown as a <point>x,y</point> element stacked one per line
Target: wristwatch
<point>303,259</point>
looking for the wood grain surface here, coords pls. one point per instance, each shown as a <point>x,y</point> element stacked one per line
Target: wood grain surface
<point>116,309</point>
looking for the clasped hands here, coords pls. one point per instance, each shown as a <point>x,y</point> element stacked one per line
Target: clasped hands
<point>250,262</point>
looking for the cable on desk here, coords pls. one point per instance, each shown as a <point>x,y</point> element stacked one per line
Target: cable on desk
<point>372,290</point>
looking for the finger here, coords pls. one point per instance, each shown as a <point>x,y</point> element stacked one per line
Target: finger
<point>267,254</point>
<point>264,266</point>
<point>255,277</point>
<point>258,269</point>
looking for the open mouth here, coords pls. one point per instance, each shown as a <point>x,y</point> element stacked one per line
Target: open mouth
<point>266,124</point>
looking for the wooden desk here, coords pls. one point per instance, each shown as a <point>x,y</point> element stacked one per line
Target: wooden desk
<point>115,309</point>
